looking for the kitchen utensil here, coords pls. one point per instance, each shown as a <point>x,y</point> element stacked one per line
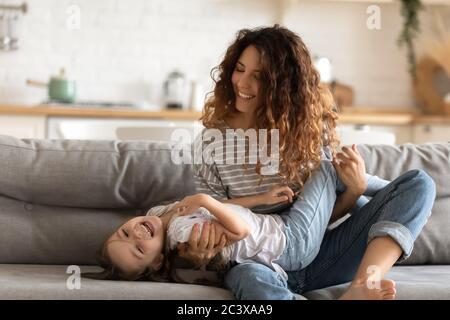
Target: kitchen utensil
<point>427,89</point>
<point>197,97</point>
<point>60,89</point>
<point>13,28</point>
<point>176,90</point>
<point>4,36</point>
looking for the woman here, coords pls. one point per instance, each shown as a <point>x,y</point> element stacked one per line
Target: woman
<point>267,81</point>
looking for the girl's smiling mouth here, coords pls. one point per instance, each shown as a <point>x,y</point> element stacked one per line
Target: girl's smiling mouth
<point>149,228</point>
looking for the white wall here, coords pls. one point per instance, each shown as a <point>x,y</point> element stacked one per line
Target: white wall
<point>125,48</point>
<point>368,60</point>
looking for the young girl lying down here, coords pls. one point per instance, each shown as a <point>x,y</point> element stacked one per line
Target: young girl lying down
<point>140,248</point>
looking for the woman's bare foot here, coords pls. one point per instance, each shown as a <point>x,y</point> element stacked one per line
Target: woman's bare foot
<point>361,291</point>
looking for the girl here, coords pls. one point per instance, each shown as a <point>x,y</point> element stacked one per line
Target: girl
<point>137,248</point>
<point>267,81</point>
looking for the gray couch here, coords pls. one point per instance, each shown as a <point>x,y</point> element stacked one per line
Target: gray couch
<point>60,199</point>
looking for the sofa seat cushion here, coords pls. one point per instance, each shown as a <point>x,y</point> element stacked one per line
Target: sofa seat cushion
<point>425,282</point>
<point>49,282</point>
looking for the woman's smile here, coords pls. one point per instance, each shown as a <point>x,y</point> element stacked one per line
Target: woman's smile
<point>244,96</point>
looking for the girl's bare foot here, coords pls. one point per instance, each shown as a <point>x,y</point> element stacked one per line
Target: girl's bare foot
<point>361,291</point>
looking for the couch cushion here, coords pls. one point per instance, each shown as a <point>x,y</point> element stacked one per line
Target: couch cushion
<point>34,233</point>
<point>91,174</point>
<point>388,162</point>
<point>49,282</point>
<point>412,283</point>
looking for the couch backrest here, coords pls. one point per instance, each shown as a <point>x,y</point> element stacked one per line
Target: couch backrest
<point>60,199</point>
<point>386,161</point>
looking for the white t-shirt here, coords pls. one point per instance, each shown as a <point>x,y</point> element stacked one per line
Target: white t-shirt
<point>264,244</point>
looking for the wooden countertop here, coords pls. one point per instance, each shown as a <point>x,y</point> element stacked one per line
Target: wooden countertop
<point>82,111</point>
<point>347,115</point>
<point>388,116</point>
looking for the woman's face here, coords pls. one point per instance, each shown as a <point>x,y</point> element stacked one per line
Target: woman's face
<point>246,80</point>
<point>137,244</point>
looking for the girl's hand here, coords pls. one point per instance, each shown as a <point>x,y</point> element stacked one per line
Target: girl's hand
<point>277,194</point>
<point>190,204</point>
<point>201,250</point>
<point>351,169</point>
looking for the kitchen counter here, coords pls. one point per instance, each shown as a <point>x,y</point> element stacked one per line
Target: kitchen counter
<point>388,116</point>
<point>347,115</point>
<point>73,111</point>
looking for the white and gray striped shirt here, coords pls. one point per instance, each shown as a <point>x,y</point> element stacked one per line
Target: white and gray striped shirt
<point>217,176</point>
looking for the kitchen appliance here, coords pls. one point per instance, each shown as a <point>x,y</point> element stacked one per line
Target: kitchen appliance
<point>197,96</point>
<point>323,65</point>
<point>60,88</point>
<point>176,91</point>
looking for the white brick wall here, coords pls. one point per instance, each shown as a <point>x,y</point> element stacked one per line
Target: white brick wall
<point>125,48</point>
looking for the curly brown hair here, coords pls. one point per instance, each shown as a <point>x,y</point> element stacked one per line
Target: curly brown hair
<point>293,99</point>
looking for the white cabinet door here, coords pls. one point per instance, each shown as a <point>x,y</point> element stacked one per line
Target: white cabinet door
<point>121,129</point>
<point>23,127</point>
<point>374,134</point>
<point>424,133</point>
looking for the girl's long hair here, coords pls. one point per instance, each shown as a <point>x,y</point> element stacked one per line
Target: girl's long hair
<point>293,99</point>
<point>112,272</point>
<point>168,272</point>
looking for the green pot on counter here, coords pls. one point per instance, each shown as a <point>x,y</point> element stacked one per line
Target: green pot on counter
<point>60,89</point>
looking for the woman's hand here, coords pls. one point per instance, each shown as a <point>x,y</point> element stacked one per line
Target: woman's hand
<point>200,250</point>
<point>276,195</point>
<point>351,169</point>
<point>190,204</point>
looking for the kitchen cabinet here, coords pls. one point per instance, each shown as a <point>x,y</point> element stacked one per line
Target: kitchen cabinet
<point>423,133</point>
<point>121,129</point>
<point>23,127</point>
<point>375,134</point>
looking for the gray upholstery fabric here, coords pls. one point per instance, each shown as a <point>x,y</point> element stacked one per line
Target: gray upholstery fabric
<point>49,282</point>
<point>59,200</point>
<point>33,233</point>
<point>430,282</point>
<point>91,174</point>
<point>433,244</point>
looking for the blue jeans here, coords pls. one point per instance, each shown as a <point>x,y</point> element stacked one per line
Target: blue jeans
<point>398,209</point>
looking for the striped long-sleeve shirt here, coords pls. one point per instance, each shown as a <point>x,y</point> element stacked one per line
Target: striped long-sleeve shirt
<point>216,174</point>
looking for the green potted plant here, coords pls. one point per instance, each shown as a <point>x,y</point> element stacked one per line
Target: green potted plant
<point>411,27</point>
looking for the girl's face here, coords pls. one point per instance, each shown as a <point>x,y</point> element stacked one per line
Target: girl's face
<point>246,80</point>
<point>137,244</point>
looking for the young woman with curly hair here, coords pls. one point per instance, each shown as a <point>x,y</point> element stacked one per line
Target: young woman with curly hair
<point>267,81</point>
